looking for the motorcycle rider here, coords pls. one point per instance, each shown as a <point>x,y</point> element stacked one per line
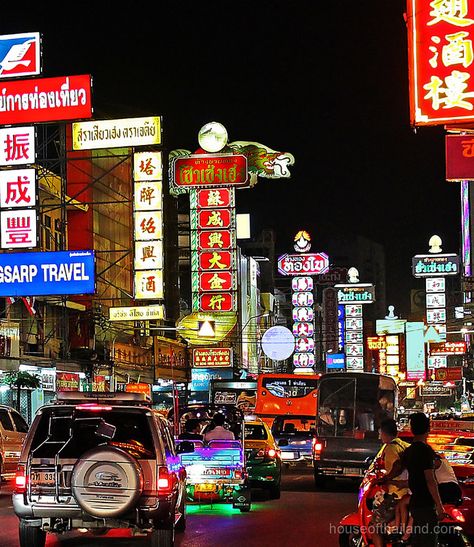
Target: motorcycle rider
<point>425,504</point>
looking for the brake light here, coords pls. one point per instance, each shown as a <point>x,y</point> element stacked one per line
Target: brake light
<point>93,407</point>
<point>165,481</point>
<point>457,515</point>
<point>21,480</point>
<point>271,453</point>
<point>317,445</point>
<point>238,474</point>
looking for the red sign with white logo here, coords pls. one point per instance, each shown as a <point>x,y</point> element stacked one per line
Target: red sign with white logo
<point>216,260</point>
<point>214,218</point>
<point>218,197</point>
<point>459,157</point>
<point>216,281</point>
<point>215,239</point>
<point>303,264</point>
<point>204,170</point>
<point>216,302</point>
<point>451,374</point>
<point>440,61</point>
<point>447,348</point>
<point>45,100</point>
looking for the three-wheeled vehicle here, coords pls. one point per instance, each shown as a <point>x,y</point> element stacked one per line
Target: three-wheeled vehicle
<point>216,469</point>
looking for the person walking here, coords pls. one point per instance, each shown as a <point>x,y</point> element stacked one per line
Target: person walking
<point>425,504</point>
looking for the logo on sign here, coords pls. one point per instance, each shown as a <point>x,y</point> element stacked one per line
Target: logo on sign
<point>308,264</point>
<point>20,55</point>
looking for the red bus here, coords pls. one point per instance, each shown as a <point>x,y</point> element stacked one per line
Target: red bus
<point>286,395</point>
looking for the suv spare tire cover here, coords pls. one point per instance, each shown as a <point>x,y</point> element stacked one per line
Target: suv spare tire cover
<point>106,481</point>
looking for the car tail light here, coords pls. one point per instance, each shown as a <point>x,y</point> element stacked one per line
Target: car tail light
<point>271,453</point>
<point>317,445</point>
<point>238,474</point>
<point>21,480</point>
<point>457,515</point>
<point>93,407</point>
<point>165,481</point>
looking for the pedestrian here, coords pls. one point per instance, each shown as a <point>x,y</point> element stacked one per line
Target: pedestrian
<point>218,432</point>
<point>448,485</point>
<point>191,430</point>
<point>425,503</point>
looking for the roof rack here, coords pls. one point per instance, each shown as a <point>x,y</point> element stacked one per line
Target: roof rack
<point>117,397</point>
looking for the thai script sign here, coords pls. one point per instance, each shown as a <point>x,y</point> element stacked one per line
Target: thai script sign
<point>137,313</point>
<point>448,348</point>
<point>48,273</point>
<point>119,133</point>
<point>433,389</point>
<point>307,264</point>
<point>435,265</point>
<point>360,293</point>
<point>212,357</point>
<point>448,374</point>
<point>459,157</point>
<point>17,146</point>
<point>67,381</point>
<point>20,55</point>
<point>332,276</point>
<point>200,170</point>
<point>440,61</point>
<point>45,100</point>
<point>201,378</point>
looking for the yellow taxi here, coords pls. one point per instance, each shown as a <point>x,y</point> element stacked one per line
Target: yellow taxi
<point>262,456</point>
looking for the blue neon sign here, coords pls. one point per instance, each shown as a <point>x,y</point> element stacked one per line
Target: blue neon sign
<point>49,273</point>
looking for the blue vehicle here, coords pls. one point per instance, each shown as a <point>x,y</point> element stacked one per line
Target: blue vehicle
<point>294,436</point>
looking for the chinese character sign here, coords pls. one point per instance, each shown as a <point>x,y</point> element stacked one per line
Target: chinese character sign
<point>17,146</point>
<point>440,39</point>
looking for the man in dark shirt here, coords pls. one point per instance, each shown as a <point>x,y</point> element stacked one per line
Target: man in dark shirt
<point>425,503</point>
<point>191,432</point>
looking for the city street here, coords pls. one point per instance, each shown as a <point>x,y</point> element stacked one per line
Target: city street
<point>302,516</point>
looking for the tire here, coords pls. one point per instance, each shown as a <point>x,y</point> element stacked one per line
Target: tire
<point>111,471</point>
<point>274,492</point>
<point>350,538</point>
<point>162,537</point>
<point>31,536</point>
<point>181,524</point>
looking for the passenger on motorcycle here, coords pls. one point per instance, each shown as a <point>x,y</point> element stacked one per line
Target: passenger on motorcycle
<point>396,502</point>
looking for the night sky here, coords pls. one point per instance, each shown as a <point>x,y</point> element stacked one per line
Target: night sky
<point>325,81</point>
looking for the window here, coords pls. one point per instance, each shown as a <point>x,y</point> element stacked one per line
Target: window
<point>255,432</point>
<point>20,424</point>
<point>5,420</point>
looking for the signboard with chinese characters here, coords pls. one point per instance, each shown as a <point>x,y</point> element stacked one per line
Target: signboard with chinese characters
<point>440,61</point>
<point>45,100</point>
<point>121,133</point>
<point>17,146</point>
<point>201,170</point>
<point>448,348</point>
<point>148,224</point>
<point>435,265</point>
<point>212,357</point>
<point>459,157</point>
<point>20,55</point>
<point>303,264</point>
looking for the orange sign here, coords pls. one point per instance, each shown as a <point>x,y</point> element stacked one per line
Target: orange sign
<point>139,388</point>
<point>447,348</point>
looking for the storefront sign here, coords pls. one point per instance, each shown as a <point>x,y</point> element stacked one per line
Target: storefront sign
<point>201,170</point>
<point>459,157</point>
<point>448,348</point>
<point>440,61</point>
<point>212,357</point>
<point>361,293</point>
<point>435,265</point>
<point>435,390</point>
<point>48,379</point>
<point>335,361</point>
<point>448,374</point>
<point>45,100</point>
<point>49,273</point>
<point>137,313</point>
<point>17,146</point>
<point>200,378</point>
<point>119,133</point>
<point>303,264</point>
<point>67,381</point>
<point>139,388</point>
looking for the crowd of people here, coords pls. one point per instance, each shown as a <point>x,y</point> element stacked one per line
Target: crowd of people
<point>420,481</point>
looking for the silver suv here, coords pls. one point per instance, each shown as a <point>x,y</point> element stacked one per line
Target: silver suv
<point>97,462</point>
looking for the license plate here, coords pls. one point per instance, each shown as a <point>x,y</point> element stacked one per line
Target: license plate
<point>352,471</point>
<point>42,478</point>
<point>217,472</point>
<point>205,488</point>
<point>287,455</point>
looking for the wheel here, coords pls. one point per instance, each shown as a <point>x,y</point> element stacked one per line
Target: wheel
<point>350,537</point>
<point>274,492</point>
<point>181,524</point>
<point>162,537</point>
<point>31,536</point>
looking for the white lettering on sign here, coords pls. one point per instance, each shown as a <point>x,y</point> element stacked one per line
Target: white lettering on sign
<point>64,272</point>
<point>18,274</point>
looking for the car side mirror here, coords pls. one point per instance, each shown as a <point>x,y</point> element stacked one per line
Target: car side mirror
<point>185,447</point>
<point>283,442</point>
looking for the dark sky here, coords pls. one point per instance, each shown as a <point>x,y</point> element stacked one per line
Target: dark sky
<point>326,81</point>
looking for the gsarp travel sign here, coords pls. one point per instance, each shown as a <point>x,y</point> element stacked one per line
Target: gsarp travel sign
<point>47,273</point>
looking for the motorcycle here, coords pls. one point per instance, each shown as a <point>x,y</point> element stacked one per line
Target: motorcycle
<point>356,528</point>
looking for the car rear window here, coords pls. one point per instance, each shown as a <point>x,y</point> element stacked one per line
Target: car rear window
<point>255,432</point>
<point>293,424</point>
<point>72,432</point>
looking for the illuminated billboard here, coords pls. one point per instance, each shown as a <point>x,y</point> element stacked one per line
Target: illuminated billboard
<point>48,273</point>
<point>20,55</point>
